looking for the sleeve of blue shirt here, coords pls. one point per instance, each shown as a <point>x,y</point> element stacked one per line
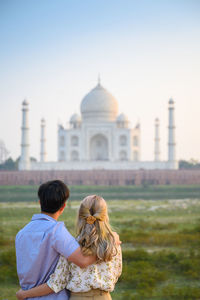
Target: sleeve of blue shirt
<point>63,242</point>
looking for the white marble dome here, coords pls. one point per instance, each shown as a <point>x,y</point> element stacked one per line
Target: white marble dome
<point>99,105</point>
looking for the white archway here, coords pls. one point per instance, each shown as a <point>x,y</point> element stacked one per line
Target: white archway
<point>74,140</point>
<point>99,147</point>
<point>123,155</point>
<point>122,140</point>
<point>74,155</point>
<point>135,155</point>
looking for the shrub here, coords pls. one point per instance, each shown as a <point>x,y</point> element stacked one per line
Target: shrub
<point>142,275</point>
<point>190,267</point>
<point>175,239</point>
<point>8,271</point>
<point>136,255</point>
<point>180,293</point>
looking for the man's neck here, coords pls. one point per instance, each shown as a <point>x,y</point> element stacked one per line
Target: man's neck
<point>55,216</point>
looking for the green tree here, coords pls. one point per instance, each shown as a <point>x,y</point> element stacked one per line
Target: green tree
<point>191,164</point>
<point>9,164</point>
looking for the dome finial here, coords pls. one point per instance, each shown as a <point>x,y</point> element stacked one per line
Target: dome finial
<point>99,79</point>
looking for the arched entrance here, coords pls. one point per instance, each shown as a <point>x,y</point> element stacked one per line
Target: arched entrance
<point>99,147</point>
<point>74,155</point>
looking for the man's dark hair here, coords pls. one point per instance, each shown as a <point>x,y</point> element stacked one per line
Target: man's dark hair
<point>52,194</point>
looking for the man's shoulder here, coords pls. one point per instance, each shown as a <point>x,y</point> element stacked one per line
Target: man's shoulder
<point>59,228</point>
<point>22,230</point>
<point>39,225</point>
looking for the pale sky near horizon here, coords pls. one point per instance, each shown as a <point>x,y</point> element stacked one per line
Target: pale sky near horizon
<point>146,52</point>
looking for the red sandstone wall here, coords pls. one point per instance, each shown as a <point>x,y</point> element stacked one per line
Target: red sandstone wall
<point>102,177</point>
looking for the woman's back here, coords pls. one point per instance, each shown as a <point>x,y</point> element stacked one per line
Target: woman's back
<point>95,238</point>
<point>101,275</point>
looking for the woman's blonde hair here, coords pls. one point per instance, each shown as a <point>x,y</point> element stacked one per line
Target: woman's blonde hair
<point>94,233</point>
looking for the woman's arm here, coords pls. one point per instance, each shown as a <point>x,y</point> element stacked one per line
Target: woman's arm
<point>40,290</point>
<point>81,260</point>
<point>117,263</point>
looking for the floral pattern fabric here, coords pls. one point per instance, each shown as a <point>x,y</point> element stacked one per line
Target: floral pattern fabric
<point>102,275</point>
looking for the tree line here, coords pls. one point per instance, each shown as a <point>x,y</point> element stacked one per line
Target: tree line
<point>11,164</point>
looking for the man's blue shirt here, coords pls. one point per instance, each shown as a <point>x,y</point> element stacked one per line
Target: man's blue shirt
<point>38,246</point>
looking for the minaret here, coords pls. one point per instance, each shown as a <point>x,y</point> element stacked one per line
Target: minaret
<point>24,162</point>
<point>157,140</point>
<point>43,141</point>
<point>99,80</point>
<point>171,136</point>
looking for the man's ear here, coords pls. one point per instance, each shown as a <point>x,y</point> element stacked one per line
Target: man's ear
<point>62,207</point>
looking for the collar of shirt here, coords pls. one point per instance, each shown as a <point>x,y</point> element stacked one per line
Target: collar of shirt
<point>42,217</point>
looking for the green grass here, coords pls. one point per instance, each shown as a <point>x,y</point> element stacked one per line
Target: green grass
<point>161,242</point>
<point>29,193</point>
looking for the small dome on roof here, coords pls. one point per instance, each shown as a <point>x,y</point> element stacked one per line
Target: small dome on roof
<point>122,121</point>
<point>75,118</point>
<point>122,118</point>
<point>25,102</point>
<point>171,101</point>
<point>137,126</point>
<point>43,121</point>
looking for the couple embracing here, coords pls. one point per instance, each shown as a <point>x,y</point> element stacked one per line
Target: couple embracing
<point>53,265</point>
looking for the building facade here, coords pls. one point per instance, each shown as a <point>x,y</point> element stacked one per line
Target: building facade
<point>99,138</point>
<point>99,134</point>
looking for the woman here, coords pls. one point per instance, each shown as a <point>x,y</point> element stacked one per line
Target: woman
<point>95,238</point>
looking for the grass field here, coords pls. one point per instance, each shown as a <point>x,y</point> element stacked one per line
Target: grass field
<point>161,242</point>
<point>29,193</point>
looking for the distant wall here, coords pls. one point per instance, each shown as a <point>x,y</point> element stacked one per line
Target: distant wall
<point>103,177</point>
<point>102,165</point>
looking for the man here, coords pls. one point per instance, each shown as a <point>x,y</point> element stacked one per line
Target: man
<point>40,243</point>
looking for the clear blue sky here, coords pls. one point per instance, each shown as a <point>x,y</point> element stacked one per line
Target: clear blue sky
<point>146,51</point>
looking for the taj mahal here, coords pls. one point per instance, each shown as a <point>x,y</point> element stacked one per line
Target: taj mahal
<point>99,138</point>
